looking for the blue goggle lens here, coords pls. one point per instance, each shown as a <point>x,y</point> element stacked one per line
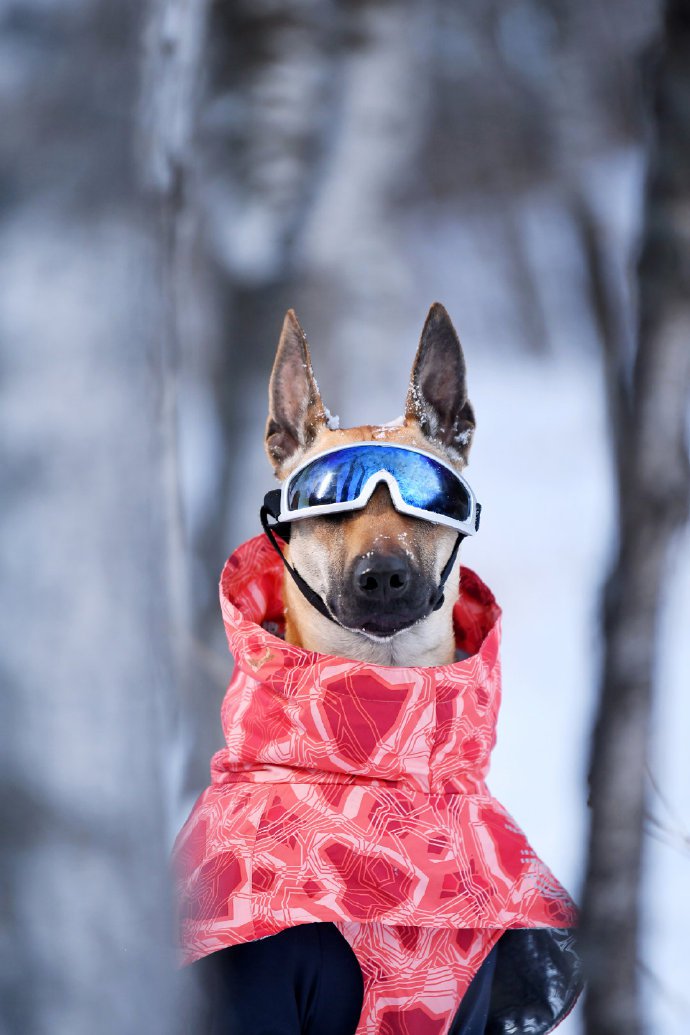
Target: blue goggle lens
<point>340,476</point>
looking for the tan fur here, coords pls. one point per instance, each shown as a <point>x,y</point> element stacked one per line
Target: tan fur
<point>316,546</point>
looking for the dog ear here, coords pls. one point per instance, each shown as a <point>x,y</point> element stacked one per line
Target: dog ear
<point>295,409</point>
<point>437,396</point>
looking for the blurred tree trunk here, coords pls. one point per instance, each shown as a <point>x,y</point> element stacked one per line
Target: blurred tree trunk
<point>173,53</point>
<point>355,251</point>
<point>85,943</point>
<point>649,409</point>
<point>171,76</point>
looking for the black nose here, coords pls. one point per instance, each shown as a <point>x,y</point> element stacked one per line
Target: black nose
<point>381,577</point>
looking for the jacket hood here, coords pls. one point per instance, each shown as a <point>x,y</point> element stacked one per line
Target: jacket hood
<point>354,794</point>
<point>434,725</point>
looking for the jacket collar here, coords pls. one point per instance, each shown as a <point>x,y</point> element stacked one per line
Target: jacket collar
<point>252,605</point>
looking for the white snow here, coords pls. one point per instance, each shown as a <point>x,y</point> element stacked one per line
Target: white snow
<point>332,420</point>
<point>383,431</point>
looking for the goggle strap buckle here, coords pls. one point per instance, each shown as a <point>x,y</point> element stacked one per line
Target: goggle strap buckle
<point>272,506</point>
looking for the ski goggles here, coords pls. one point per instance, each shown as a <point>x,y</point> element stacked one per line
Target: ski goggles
<point>342,479</point>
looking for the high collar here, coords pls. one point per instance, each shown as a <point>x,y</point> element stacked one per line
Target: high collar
<point>354,794</point>
<point>433,726</point>
<point>251,597</point>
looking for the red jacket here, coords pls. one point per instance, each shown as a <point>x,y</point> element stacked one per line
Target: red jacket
<point>354,793</point>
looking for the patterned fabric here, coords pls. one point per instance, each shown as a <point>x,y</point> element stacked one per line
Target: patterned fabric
<point>354,793</point>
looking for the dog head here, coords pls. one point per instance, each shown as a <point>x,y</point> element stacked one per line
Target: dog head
<point>377,569</point>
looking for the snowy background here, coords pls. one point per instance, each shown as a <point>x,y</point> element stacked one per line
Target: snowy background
<point>357,161</point>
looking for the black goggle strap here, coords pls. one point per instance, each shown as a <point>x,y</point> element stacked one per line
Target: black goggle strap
<point>271,508</point>
<point>446,572</point>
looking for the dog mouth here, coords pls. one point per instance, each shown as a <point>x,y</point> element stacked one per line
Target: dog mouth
<point>380,626</point>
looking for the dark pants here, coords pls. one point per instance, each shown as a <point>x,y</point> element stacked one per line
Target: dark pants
<point>306,981</point>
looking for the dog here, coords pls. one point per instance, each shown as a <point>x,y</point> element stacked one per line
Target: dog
<point>348,870</point>
<point>376,568</point>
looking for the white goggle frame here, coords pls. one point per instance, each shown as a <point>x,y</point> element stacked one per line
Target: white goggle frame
<point>467,527</point>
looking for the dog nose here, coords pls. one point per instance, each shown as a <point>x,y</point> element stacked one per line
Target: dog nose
<point>380,577</point>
